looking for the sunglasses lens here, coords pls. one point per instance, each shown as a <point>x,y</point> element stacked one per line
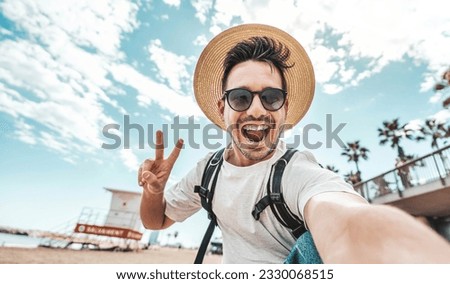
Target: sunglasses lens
<point>240,99</point>
<point>272,99</point>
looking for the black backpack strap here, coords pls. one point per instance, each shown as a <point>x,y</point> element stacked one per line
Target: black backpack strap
<point>205,241</point>
<point>260,206</point>
<point>206,197</point>
<point>279,206</point>
<point>275,200</point>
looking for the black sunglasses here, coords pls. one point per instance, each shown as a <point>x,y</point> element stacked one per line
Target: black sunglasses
<point>240,99</point>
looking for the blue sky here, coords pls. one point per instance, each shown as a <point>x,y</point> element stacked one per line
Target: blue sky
<point>68,68</point>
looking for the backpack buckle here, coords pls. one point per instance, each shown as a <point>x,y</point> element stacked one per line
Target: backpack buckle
<point>203,192</point>
<point>297,232</point>
<point>212,217</point>
<point>257,211</point>
<point>276,197</point>
<point>260,206</point>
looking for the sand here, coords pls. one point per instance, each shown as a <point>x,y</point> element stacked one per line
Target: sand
<point>54,256</point>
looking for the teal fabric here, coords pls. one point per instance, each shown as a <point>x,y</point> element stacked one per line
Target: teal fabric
<point>304,251</point>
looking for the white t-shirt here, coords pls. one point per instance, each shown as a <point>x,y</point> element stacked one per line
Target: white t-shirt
<point>238,189</point>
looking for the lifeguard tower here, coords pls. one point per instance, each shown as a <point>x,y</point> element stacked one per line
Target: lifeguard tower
<point>118,228</point>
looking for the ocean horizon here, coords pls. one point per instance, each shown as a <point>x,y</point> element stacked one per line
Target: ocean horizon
<point>13,240</point>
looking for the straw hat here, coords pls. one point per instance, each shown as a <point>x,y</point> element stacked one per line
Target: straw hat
<point>209,71</point>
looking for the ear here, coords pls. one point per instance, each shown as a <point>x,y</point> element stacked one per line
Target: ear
<point>221,106</point>
<point>286,105</point>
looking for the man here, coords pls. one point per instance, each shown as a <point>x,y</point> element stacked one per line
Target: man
<point>403,171</point>
<point>254,81</point>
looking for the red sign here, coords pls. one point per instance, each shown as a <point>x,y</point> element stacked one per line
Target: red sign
<point>108,231</point>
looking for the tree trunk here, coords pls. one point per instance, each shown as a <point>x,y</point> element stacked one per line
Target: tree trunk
<point>401,153</point>
<point>357,167</point>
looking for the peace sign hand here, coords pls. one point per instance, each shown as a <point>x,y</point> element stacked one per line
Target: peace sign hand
<point>153,174</point>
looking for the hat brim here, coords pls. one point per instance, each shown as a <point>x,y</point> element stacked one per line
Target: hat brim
<point>209,71</point>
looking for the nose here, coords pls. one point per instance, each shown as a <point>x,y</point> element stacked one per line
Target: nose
<point>256,109</point>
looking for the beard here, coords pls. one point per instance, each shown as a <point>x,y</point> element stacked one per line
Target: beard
<point>255,143</point>
<point>255,153</point>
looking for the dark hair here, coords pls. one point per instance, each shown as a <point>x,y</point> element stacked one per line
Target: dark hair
<point>259,49</point>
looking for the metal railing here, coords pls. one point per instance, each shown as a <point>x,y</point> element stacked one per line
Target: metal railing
<point>423,170</point>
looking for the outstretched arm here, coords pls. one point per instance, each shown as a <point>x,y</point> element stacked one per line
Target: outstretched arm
<point>153,176</point>
<point>348,230</point>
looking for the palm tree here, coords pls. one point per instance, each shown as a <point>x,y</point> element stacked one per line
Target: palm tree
<point>446,102</point>
<point>445,83</point>
<point>354,152</point>
<point>392,132</point>
<point>352,178</point>
<point>332,168</point>
<point>436,131</point>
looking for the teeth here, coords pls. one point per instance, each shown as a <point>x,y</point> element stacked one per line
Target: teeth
<point>255,127</point>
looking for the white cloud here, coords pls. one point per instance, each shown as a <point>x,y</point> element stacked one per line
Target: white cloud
<point>202,8</point>
<point>414,125</point>
<point>62,74</point>
<point>166,117</point>
<point>53,142</point>
<point>442,116</point>
<point>331,89</point>
<point>95,24</point>
<point>346,74</point>
<point>429,82</point>
<point>436,98</point>
<point>150,92</point>
<point>129,159</point>
<point>5,31</point>
<point>70,160</point>
<point>372,34</point>
<point>223,13</point>
<point>323,57</point>
<point>24,132</point>
<point>57,75</point>
<point>174,3</point>
<point>51,102</point>
<point>171,67</point>
<point>200,40</point>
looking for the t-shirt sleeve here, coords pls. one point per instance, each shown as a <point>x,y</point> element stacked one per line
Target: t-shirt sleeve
<point>181,200</point>
<point>305,178</point>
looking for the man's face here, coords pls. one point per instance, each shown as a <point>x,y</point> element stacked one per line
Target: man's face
<point>254,132</point>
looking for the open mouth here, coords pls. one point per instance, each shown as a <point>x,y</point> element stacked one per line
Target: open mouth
<point>255,133</point>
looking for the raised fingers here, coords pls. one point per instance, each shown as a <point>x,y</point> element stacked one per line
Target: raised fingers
<point>176,151</point>
<point>139,176</point>
<point>159,145</point>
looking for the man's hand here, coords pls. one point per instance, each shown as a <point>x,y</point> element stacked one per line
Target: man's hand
<point>346,229</point>
<point>153,174</point>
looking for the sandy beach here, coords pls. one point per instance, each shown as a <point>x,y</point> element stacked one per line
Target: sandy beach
<point>54,256</point>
